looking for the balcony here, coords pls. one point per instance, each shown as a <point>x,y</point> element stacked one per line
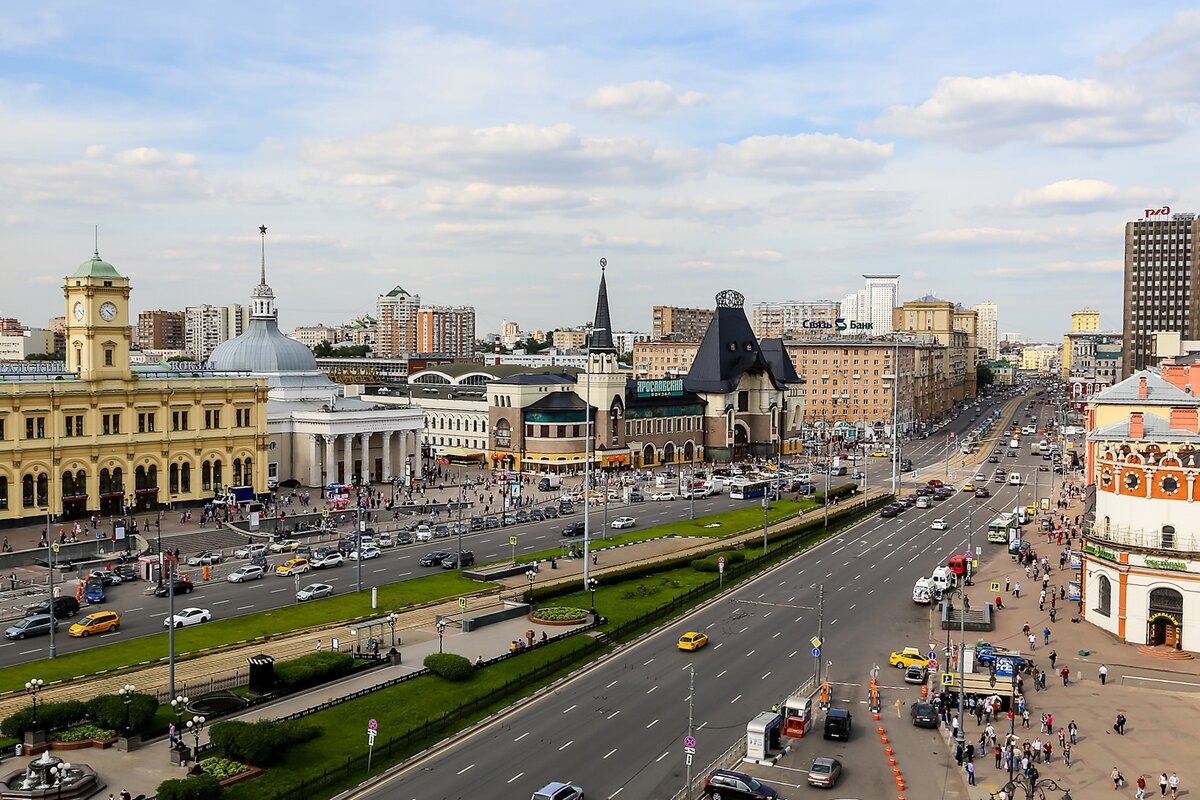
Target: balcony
<point>1168,541</point>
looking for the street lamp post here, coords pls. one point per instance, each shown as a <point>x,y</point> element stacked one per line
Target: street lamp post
<point>391,618</point>
<point>60,773</point>
<point>51,549</point>
<point>441,629</point>
<point>126,693</point>
<point>1030,787</point>
<point>179,705</point>
<point>766,505</point>
<point>530,574</point>
<point>195,725</point>
<point>592,583</point>
<point>32,687</point>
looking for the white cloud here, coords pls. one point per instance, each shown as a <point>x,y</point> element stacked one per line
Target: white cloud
<point>507,154</point>
<point>641,99</point>
<point>1099,267</point>
<point>95,151</point>
<point>1181,31</point>
<point>1085,195</point>
<point>596,241</point>
<point>492,200</point>
<point>979,113</point>
<point>802,158</point>
<point>187,159</point>
<point>985,236</point>
<point>708,210</point>
<point>761,256</point>
<point>140,157</point>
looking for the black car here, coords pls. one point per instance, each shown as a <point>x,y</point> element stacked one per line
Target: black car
<point>573,529</point>
<point>492,522</point>
<point>636,497</point>
<point>434,559</point>
<point>453,560</point>
<point>537,515</point>
<point>550,512</point>
<point>982,491</point>
<point>566,508</point>
<point>260,561</point>
<point>888,511</point>
<point>64,607</point>
<point>725,783</point>
<point>923,715</point>
<point>181,587</point>
<point>477,523</point>
<point>522,516</point>
<point>403,537</point>
<point>128,572</point>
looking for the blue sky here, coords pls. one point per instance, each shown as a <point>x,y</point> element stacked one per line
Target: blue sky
<point>491,153</point>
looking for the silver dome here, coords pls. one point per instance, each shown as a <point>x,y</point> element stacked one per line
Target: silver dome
<point>263,349</point>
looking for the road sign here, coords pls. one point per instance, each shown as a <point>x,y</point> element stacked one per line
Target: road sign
<point>816,651</point>
<point>689,741</point>
<point>372,725</point>
<point>948,679</point>
<point>932,663</point>
<point>689,759</point>
<point>721,560</point>
<point>55,547</point>
<point>994,587</point>
<point>462,602</point>
<point>689,750</point>
<point>968,555</point>
<point>933,655</point>
<point>512,540</point>
<point>721,568</point>
<point>815,641</point>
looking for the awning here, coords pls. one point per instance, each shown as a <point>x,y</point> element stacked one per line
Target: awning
<point>462,452</point>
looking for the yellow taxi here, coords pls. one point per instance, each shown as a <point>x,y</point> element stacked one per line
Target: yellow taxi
<point>293,566</point>
<point>879,454</point>
<point>692,640</point>
<point>907,657</point>
<point>968,487</point>
<point>99,622</point>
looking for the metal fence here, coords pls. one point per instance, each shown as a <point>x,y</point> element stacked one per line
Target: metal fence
<point>204,686</point>
<point>729,758</point>
<point>1166,538</point>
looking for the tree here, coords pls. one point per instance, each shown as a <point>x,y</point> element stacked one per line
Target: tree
<point>323,350</point>
<point>984,377</point>
<point>43,357</point>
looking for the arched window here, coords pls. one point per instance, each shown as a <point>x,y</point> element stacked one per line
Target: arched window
<point>237,472</point>
<point>185,478</point>
<point>139,478</point>
<point>43,489</point>
<point>1168,537</point>
<point>247,472</point>
<point>27,491</point>
<point>105,481</point>
<point>206,477</point>
<point>3,492</point>
<point>173,478</point>
<point>503,434</point>
<point>217,482</point>
<point>152,477</point>
<point>1104,598</point>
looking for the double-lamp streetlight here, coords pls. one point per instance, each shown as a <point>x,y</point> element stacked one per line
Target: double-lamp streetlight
<point>32,687</point>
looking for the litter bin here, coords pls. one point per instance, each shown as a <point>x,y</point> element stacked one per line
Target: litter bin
<point>20,750</point>
<point>262,674</point>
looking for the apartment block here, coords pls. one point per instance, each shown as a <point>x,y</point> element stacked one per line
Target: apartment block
<point>796,319</point>
<point>446,329</point>
<point>207,326</point>
<point>1161,275</point>
<point>396,323</point>
<point>161,330</point>
<point>679,324</point>
<point>663,359</point>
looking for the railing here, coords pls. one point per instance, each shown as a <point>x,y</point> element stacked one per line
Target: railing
<point>197,688</point>
<point>729,758</point>
<point>1127,536</point>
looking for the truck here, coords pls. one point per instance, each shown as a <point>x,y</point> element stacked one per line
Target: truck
<point>943,578</point>
<point>924,591</point>
<point>235,496</point>
<point>1035,448</point>
<point>715,485</point>
<point>1002,528</point>
<point>549,482</point>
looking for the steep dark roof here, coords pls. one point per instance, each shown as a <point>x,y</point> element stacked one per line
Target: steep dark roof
<point>729,350</point>
<point>781,365</point>
<point>559,401</point>
<point>602,341</point>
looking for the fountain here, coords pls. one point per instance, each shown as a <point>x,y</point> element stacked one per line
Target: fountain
<point>50,778</point>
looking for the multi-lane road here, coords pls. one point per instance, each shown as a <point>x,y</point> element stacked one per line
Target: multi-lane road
<point>617,730</point>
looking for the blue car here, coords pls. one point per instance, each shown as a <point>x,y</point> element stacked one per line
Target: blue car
<point>987,654</point>
<point>93,591</point>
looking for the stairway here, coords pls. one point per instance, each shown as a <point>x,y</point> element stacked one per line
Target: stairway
<point>1164,652</point>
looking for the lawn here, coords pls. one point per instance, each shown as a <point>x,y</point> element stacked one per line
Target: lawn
<point>394,596</point>
<point>398,709</point>
<point>724,523</point>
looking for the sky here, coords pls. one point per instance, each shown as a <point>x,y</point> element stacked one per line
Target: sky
<point>490,153</point>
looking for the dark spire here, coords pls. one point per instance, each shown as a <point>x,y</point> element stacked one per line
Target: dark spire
<point>602,341</point>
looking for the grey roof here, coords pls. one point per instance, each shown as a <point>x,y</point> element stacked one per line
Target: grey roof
<point>1153,427</point>
<point>538,379</point>
<point>729,350</point>
<point>602,341</point>
<point>1158,392</point>
<point>559,401</point>
<point>459,369</point>
<point>263,349</point>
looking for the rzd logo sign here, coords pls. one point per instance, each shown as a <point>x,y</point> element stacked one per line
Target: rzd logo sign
<point>1158,212</point>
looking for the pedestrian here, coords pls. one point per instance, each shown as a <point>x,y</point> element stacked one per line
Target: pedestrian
<point>970,773</point>
<point>1007,584</point>
<point>1174,783</point>
<point>1103,673</point>
<point>1025,718</point>
<point>1032,642</point>
<point>1053,657</point>
<point>1162,785</point>
<point>1062,738</point>
<point>1119,725</point>
<point>1065,672</point>
<point>999,758</point>
<point>1141,788</point>
<point>1046,635</point>
<point>1116,777</point>
<point>1073,732</point>
<point>1067,755</point>
<point>1042,679</point>
<point>318,645</point>
<point>1017,589</point>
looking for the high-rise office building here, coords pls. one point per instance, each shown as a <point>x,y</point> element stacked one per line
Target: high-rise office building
<point>988,329</point>
<point>795,318</point>
<point>396,323</point>
<point>872,305</point>
<point>162,330</point>
<point>1160,275</point>
<point>207,326</point>
<point>446,329</point>
<point>679,324</point>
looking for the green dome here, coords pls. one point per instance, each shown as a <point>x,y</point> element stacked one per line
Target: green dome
<point>94,267</point>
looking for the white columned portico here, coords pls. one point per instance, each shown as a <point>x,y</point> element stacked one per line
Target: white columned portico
<point>347,457</point>
<point>402,438</point>
<point>330,461</point>
<point>386,436</point>
<point>418,460</point>
<point>365,443</point>
<point>314,461</point>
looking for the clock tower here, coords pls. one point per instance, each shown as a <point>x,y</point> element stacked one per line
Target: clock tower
<point>98,330</point>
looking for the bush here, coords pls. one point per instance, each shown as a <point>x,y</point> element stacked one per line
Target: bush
<point>108,711</point>
<point>50,717</point>
<point>560,614</point>
<point>709,563</point>
<point>450,666</point>
<point>222,768</point>
<point>259,743</point>
<point>80,733</point>
<point>311,669</point>
<point>200,787</point>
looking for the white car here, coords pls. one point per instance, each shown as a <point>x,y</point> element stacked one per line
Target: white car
<point>188,616</point>
<point>981,478</point>
<point>250,572</point>
<point>314,591</point>
<point>250,551</point>
<point>333,559</point>
<point>284,546</point>
<point>663,496</point>
<point>205,558</point>
<point>424,536</point>
<point>939,525</point>
<point>386,540</point>
<point>367,552</point>
<point>624,522</point>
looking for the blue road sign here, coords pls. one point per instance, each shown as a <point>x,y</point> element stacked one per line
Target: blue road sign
<point>816,651</point>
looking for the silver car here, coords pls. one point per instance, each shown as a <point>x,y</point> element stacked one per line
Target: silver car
<point>250,572</point>
<point>314,591</point>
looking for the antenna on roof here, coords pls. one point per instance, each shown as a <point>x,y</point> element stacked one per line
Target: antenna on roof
<point>262,276</point>
<point>96,239</point>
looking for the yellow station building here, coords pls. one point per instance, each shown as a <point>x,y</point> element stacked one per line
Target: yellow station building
<point>93,435</point>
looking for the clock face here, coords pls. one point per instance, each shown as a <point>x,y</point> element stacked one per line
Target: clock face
<point>79,311</point>
<point>108,311</point>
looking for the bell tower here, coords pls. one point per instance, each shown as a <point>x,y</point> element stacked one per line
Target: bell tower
<point>97,330</point>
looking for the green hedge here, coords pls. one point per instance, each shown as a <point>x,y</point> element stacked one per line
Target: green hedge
<point>108,711</point>
<point>259,743</point>
<point>199,787</point>
<point>709,563</point>
<point>450,666</point>
<point>846,490</point>
<point>222,768</point>
<point>50,717</point>
<point>560,614</point>
<point>312,669</point>
<point>81,733</point>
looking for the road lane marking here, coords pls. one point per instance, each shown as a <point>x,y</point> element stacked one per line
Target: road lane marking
<point>609,753</point>
<point>522,736</point>
<point>130,611</point>
<point>514,777</point>
<point>614,683</point>
<point>568,744</point>
<point>464,769</point>
<point>568,710</point>
<point>617,792</point>
<point>651,725</point>
<point>27,652</point>
<point>743,630</point>
<point>660,758</point>
<point>734,700</point>
<point>719,646</point>
<point>776,636</point>
<point>752,652</point>
<point>276,591</point>
<point>764,677</point>
<point>722,672</point>
<point>610,716</point>
<point>767,614</point>
<point>793,653</point>
<point>215,602</point>
<point>651,689</point>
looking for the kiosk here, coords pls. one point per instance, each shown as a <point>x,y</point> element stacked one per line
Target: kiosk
<point>797,715</point>
<point>763,735</point>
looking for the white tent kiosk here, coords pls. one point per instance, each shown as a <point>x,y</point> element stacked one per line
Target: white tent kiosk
<point>797,715</point>
<point>763,735</point>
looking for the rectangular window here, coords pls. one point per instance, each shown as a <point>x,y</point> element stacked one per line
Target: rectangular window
<point>108,357</point>
<point>212,418</point>
<point>1,427</point>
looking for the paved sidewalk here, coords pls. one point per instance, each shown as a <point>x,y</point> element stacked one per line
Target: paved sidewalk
<point>143,769</point>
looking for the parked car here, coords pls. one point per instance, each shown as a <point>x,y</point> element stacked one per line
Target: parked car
<point>188,616</point>
<point>725,783</point>
<point>573,529</point>
<point>293,566</point>
<point>64,607</point>
<point>327,560</point>
<point>491,522</point>
<point>205,558</point>
<point>284,546</point>
<point>386,540</point>
<point>93,591</point>
<point>923,715</point>
<point>458,561</point>
<point>127,572</point>
<point>180,585</point>
<point>477,523</point>
<point>636,497</point>
<point>522,516</point>
<point>441,532</point>
<point>250,551</point>
<point>624,522</point>
<point>537,515</point>
<point>314,591</point>
<point>105,576</point>
<point>824,772</point>
<point>550,512</point>
<point>250,572</point>
<point>404,537</point>
<point>663,496</point>
<point>96,623</point>
<point>35,625</point>
<point>916,673</point>
<point>365,554</point>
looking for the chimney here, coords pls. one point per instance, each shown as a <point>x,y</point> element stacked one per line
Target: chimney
<point>1142,387</point>
<point>1137,428</point>
<point>1185,419</point>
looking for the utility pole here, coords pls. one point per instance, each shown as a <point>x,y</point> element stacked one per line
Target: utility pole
<point>691,709</point>
<point>828,470</point>
<point>766,504</point>
<point>171,627</point>
<point>820,627</point>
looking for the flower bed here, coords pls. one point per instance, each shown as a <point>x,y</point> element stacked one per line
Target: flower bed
<point>227,771</point>
<point>83,733</point>
<point>559,615</point>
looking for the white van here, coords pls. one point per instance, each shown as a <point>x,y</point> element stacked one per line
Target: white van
<point>1014,479</point>
<point>943,579</point>
<point>923,591</point>
<point>1014,444</point>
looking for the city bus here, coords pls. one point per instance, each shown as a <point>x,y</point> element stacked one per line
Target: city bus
<point>748,490</point>
<point>1002,529</point>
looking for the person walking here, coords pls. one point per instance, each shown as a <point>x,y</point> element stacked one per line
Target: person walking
<point>1046,635</point>
<point>1103,674</point>
<point>1073,732</point>
<point>1032,642</point>
<point>1116,777</point>
<point>970,773</point>
<point>1065,672</point>
<point>1119,725</point>
<point>1141,788</point>
<point>1162,784</point>
<point>1067,755</point>
<point>1173,782</point>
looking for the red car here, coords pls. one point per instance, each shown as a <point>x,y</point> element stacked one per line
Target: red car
<point>935,483</point>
